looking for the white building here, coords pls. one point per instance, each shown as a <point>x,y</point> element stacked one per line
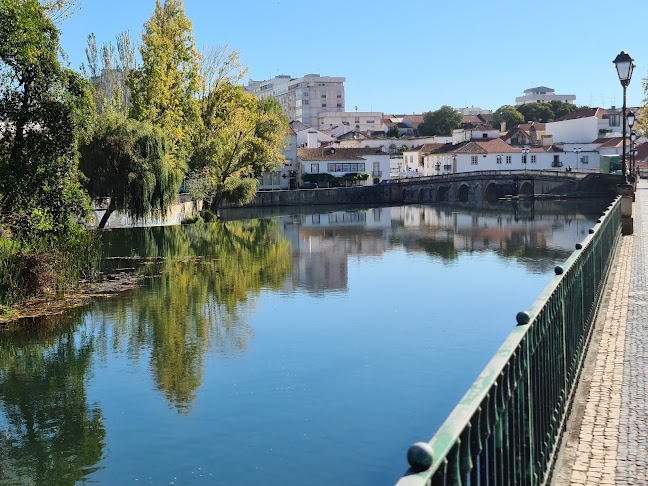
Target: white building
<point>309,137</point>
<point>287,176</point>
<point>341,161</point>
<point>350,121</point>
<point>542,94</point>
<point>303,99</point>
<point>585,126</point>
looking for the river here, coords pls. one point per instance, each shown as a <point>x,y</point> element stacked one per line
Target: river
<point>307,347</point>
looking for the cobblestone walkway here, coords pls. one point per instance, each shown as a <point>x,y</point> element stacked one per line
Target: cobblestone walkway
<point>607,435</point>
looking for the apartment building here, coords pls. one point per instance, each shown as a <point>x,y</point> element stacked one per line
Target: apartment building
<point>303,99</point>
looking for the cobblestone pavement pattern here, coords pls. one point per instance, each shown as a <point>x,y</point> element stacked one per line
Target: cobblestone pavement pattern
<point>607,441</point>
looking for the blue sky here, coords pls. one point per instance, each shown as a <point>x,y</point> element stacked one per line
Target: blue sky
<point>409,57</point>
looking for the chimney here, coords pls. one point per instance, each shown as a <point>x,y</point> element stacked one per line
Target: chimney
<point>503,126</point>
<point>311,139</point>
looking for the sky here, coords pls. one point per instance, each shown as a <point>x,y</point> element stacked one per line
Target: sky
<point>408,57</point>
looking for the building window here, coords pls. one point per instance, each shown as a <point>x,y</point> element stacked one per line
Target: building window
<point>304,102</point>
<point>499,159</point>
<point>508,159</point>
<point>339,95</point>
<point>323,105</point>
<point>533,159</point>
<point>346,167</point>
<point>370,121</point>
<point>474,160</point>
<point>357,120</point>
<point>323,95</point>
<point>314,168</point>
<point>585,159</point>
<point>339,105</point>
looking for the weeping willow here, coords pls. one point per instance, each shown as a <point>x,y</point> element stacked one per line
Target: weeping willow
<point>127,162</point>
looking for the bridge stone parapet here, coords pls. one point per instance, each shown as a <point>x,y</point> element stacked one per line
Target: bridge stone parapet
<point>467,187</point>
<point>477,187</point>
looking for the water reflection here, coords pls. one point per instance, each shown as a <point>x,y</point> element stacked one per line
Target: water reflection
<point>537,234</point>
<point>50,433</point>
<point>236,313</point>
<point>210,274</point>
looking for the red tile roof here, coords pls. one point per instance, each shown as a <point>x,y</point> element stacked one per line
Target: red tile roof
<point>586,113</point>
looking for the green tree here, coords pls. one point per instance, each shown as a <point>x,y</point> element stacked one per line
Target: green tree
<point>507,114</point>
<point>49,110</point>
<point>393,132</point>
<point>239,136</point>
<point>164,87</point>
<point>561,108</point>
<point>536,112</point>
<point>440,122</point>
<point>127,162</point>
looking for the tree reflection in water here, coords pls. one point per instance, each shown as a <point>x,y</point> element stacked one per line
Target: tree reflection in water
<point>208,273</point>
<point>49,432</point>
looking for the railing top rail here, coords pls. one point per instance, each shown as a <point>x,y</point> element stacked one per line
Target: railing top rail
<point>451,430</point>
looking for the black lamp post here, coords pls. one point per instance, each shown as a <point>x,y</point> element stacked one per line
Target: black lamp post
<point>631,121</point>
<point>624,67</point>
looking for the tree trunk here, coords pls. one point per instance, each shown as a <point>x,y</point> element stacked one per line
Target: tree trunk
<point>104,219</point>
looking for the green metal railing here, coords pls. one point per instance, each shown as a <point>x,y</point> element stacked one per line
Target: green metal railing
<point>506,428</point>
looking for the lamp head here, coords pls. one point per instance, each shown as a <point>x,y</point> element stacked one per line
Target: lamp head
<point>624,66</point>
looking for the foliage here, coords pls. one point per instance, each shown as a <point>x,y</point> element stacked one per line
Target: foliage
<point>334,181</point>
<point>561,108</point>
<point>164,87</point>
<point>127,161</point>
<point>208,216</point>
<point>536,112</point>
<point>393,132</point>
<point>239,136</point>
<point>59,10</point>
<point>507,114</point>
<point>196,218</point>
<point>401,149</point>
<point>32,266</point>
<point>440,122</point>
<point>49,111</point>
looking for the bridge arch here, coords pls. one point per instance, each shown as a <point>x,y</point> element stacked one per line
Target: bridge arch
<point>463,193</point>
<point>442,193</point>
<point>491,193</point>
<point>526,189</point>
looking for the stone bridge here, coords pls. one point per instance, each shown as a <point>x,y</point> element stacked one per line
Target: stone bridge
<point>477,187</point>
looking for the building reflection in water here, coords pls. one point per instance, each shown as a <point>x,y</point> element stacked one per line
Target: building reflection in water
<point>537,234</point>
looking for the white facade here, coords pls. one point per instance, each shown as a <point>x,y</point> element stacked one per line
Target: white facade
<point>578,130</point>
<point>287,176</point>
<point>339,162</point>
<point>350,121</point>
<point>303,99</point>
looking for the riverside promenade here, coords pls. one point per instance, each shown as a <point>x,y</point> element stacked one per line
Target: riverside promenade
<point>606,442</point>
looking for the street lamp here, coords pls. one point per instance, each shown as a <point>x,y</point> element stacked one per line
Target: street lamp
<point>633,151</point>
<point>631,120</point>
<point>624,67</point>
<point>577,151</point>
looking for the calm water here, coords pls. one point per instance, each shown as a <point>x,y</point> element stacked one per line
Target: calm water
<point>302,348</point>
